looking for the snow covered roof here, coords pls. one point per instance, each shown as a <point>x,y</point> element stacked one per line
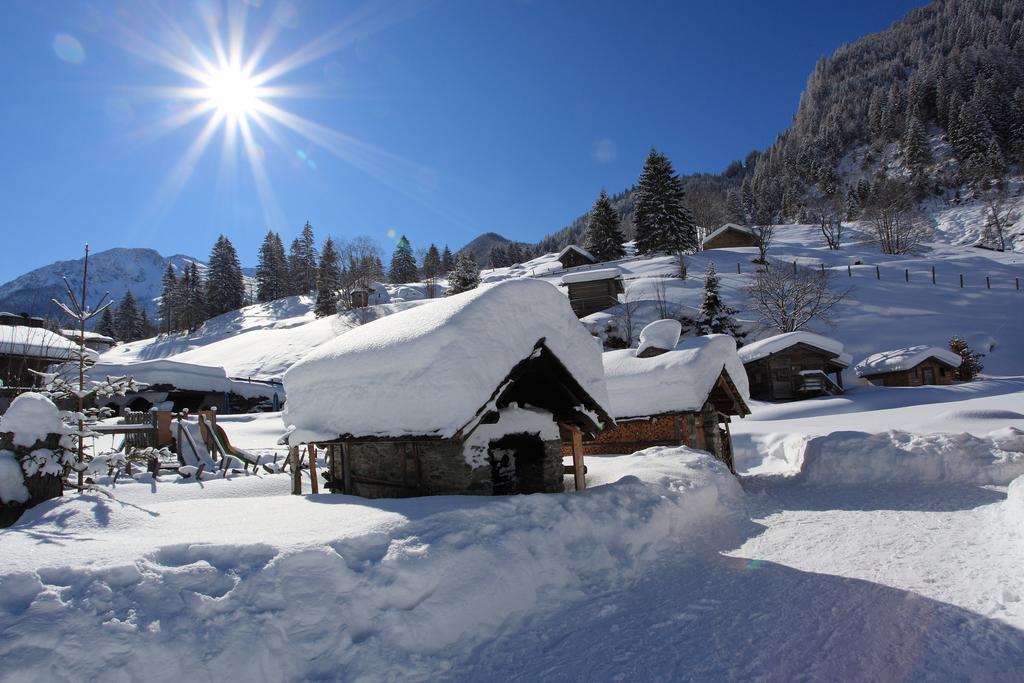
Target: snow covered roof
<point>726,228</point>
<point>661,334</point>
<point>675,381</point>
<point>898,360</point>
<point>89,336</point>
<point>35,342</point>
<point>780,342</point>
<point>427,371</point>
<point>579,250</point>
<point>183,376</point>
<point>591,275</point>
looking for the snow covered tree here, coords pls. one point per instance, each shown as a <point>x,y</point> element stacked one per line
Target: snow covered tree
<point>272,276</point>
<point>662,221</point>
<point>196,311</point>
<point>916,152</point>
<point>302,261</point>
<point>498,257</point>
<point>328,281</point>
<point>225,285</point>
<point>106,325</point>
<point>603,237</point>
<point>128,320</point>
<point>403,264</point>
<point>715,316</point>
<point>447,260</point>
<point>970,361</point>
<point>465,276</point>
<point>788,299</point>
<point>170,288</point>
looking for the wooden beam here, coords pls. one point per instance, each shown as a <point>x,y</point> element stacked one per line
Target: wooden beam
<point>313,473</point>
<point>296,471</point>
<point>346,469</point>
<point>579,469</point>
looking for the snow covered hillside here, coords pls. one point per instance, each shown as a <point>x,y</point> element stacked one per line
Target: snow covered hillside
<point>113,270</point>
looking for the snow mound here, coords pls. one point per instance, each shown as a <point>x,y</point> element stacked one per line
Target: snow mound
<point>897,360</point>
<point>900,457</point>
<point>661,334</point>
<point>428,369</point>
<point>1014,505</point>
<point>30,418</point>
<point>373,593</point>
<point>674,381</point>
<point>12,481</point>
<point>766,347</point>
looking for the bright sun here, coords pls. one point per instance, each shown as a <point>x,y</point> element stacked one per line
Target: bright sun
<point>232,93</point>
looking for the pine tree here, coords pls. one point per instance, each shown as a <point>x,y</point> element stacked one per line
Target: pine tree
<point>128,320</point>
<point>196,310</point>
<point>603,237</point>
<point>403,264</point>
<point>514,253</point>
<point>916,153</point>
<point>497,257</point>
<point>432,268</point>
<point>447,260</point>
<point>106,325</point>
<point>662,221</point>
<point>302,260</point>
<point>170,290</point>
<point>328,281</point>
<point>271,269</point>
<point>225,285</point>
<point>970,361</point>
<point>465,276</point>
<point>715,316</point>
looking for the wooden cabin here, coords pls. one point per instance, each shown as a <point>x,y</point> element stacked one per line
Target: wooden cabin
<point>359,297</point>
<point>28,348</point>
<point>465,395</point>
<point>911,367</point>
<point>94,341</point>
<point>731,235</point>
<point>793,366</point>
<point>591,291</point>
<point>573,256</point>
<point>686,396</point>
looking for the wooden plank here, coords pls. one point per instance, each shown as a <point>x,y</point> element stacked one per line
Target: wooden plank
<point>332,467</point>
<point>346,469</point>
<point>579,477</point>
<point>296,471</point>
<point>314,474</point>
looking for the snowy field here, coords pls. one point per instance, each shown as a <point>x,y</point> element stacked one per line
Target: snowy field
<point>859,554</point>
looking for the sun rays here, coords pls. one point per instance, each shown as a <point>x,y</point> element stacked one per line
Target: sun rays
<point>226,80</point>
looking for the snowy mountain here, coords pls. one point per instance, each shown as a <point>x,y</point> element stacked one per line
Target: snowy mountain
<point>114,270</point>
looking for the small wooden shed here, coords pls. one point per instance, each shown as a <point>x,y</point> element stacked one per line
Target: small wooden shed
<point>595,290</point>
<point>794,365</point>
<point>731,235</point>
<point>682,397</point>
<point>28,348</point>
<point>464,395</point>
<point>910,367</point>
<point>573,256</point>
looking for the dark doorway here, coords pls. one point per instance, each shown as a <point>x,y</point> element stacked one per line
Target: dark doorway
<point>928,375</point>
<point>517,464</point>
<point>139,404</point>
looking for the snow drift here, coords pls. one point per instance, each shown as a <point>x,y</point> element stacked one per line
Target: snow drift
<point>395,588</point>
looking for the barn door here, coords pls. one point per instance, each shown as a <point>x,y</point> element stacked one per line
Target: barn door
<point>927,375</point>
<point>517,464</point>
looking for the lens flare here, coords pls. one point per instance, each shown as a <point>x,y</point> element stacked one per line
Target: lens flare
<point>68,49</point>
<point>232,93</point>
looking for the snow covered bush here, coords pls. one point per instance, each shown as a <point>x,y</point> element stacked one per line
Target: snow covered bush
<point>970,363</point>
<point>32,456</point>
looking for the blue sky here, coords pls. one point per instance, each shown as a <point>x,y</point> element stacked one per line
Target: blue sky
<point>439,120</point>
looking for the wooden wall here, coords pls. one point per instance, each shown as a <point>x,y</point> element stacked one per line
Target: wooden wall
<point>928,372</point>
<point>732,238</point>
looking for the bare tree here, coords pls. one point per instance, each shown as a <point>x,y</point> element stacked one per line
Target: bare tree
<point>790,298</point>
<point>764,198</point>
<point>828,212</point>
<point>629,307</point>
<point>1000,215</point>
<point>897,225</point>
<point>764,232</point>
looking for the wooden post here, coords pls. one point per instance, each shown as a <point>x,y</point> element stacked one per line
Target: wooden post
<point>346,468</point>
<point>878,273</point>
<point>794,265</point>
<point>822,268</point>
<point>737,267</point>
<point>579,477</point>
<point>332,467</point>
<point>296,471</point>
<point>988,284</point>
<point>849,270</point>
<point>906,274</point>
<point>961,280</point>
<point>313,473</point>
<point>933,275</point>
<point>1016,281</point>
